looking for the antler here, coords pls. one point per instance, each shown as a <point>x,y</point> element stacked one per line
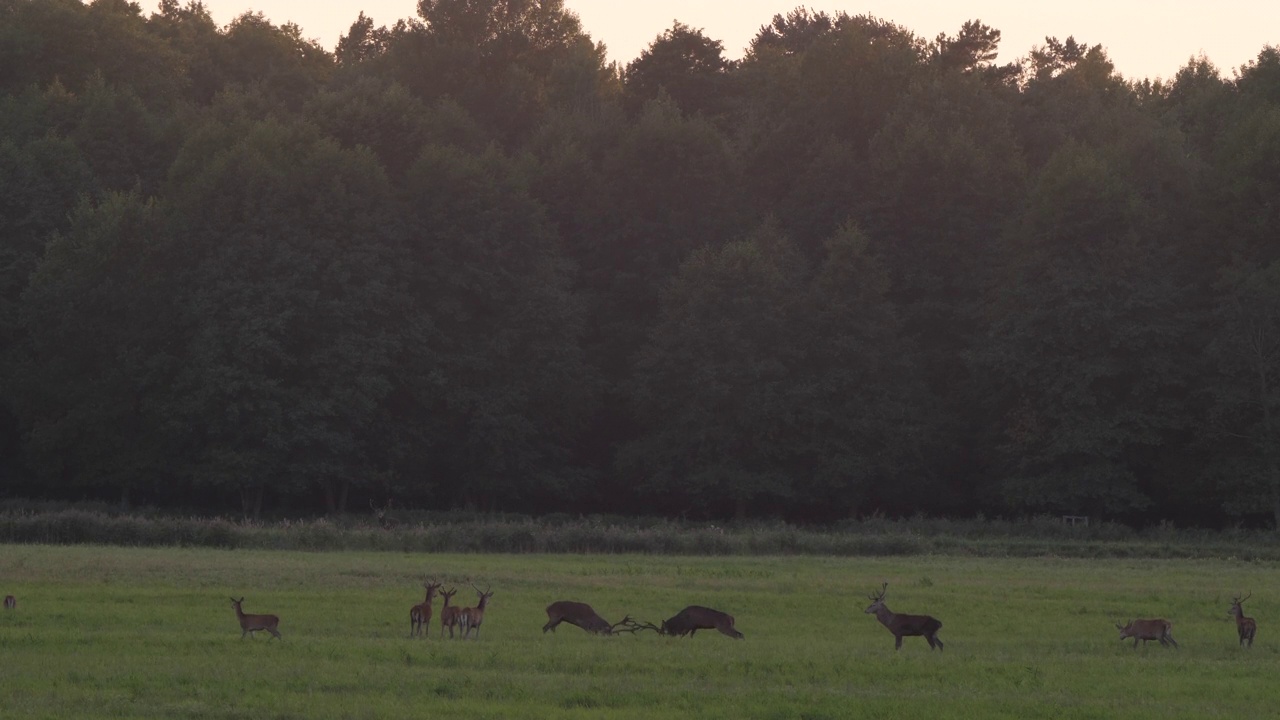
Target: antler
<point>631,626</point>
<point>883,589</point>
<point>1239,599</point>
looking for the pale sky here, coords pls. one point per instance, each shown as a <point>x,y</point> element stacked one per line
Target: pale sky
<point>1144,38</point>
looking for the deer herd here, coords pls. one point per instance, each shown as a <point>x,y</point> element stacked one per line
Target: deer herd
<point>693,618</point>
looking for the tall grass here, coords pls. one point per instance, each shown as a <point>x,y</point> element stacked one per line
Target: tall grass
<point>474,533</point>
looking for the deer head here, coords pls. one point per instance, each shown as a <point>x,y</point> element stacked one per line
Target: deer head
<point>484,595</point>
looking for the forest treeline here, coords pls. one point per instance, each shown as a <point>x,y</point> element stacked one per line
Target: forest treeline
<point>464,261</point>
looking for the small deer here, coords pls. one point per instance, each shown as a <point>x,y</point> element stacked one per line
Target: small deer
<point>1144,630</point>
<point>10,602</point>
<point>1244,625</point>
<point>420,615</point>
<point>449,613</point>
<point>694,618</point>
<point>904,625</point>
<point>249,624</point>
<point>582,615</point>
<point>472,617</point>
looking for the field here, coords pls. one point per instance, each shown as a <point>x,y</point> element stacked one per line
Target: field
<point>149,633</point>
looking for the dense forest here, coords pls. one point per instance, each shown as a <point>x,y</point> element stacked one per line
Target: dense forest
<point>462,261</point>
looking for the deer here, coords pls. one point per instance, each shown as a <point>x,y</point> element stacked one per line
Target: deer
<point>1246,626</point>
<point>449,613</point>
<point>249,624</point>
<point>902,625</point>
<point>472,617</point>
<point>420,615</point>
<point>580,614</point>
<point>10,602</point>
<point>694,618</point>
<point>1144,630</point>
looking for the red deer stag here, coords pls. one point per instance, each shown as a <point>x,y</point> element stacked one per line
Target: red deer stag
<point>582,615</point>
<point>904,625</point>
<point>449,613</point>
<point>10,602</point>
<point>471,618</point>
<point>420,615</point>
<point>249,624</point>
<point>1144,630</point>
<point>1245,625</point>
<point>694,618</point>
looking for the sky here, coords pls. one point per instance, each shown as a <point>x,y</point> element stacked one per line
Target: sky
<point>1144,38</point>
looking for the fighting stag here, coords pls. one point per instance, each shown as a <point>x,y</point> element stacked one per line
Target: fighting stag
<point>904,625</point>
<point>1244,625</point>
<point>582,615</point>
<point>420,615</point>
<point>689,621</point>
<point>1144,630</point>
<point>249,624</point>
<point>472,617</point>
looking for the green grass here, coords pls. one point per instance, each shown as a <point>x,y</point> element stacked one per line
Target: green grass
<point>149,633</point>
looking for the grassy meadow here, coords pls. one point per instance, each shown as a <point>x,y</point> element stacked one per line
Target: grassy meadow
<point>149,633</point>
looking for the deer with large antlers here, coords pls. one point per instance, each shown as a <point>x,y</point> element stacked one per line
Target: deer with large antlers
<point>471,618</point>
<point>420,615</point>
<point>694,618</point>
<point>902,625</point>
<point>1144,630</point>
<point>249,624</point>
<point>1244,625</point>
<point>582,615</point>
<point>449,613</point>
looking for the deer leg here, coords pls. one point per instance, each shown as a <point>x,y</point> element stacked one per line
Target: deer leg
<point>551,625</point>
<point>897,645</point>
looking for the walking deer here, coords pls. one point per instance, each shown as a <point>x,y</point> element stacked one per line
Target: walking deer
<point>1144,630</point>
<point>582,615</point>
<point>1244,625</point>
<point>420,615</point>
<point>10,602</point>
<point>473,617</point>
<point>249,624</point>
<point>449,613</point>
<point>904,625</point>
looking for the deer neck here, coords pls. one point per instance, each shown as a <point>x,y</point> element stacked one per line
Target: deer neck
<point>885,616</point>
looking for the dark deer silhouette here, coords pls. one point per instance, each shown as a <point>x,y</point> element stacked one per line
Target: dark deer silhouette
<point>582,615</point>
<point>904,625</point>
<point>1144,630</point>
<point>10,602</point>
<point>694,618</point>
<point>1244,625</point>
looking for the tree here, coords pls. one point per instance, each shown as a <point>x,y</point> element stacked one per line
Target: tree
<point>686,65</point>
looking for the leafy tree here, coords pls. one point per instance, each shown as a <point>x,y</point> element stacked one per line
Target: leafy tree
<point>686,65</point>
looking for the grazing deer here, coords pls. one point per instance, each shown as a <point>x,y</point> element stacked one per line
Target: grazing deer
<point>449,613</point>
<point>420,615</point>
<point>582,615</point>
<point>249,624</point>
<point>1245,625</point>
<point>694,618</point>
<point>11,602</point>
<point>904,625</point>
<point>472,617</point>
<point>1144,630</point>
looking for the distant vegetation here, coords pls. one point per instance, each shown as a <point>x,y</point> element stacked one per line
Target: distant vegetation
<point>462,262</point>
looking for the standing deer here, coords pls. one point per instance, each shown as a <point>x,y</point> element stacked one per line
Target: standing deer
<point>904,625</point>
<point>249,624</point>
<point>473,617</point>
<point>420,615</point>
<point>582,615</point>
<point>1244,625</point>
<point>448,613</point>
<point>694,618</point>
<point>10,602</point>
<point>1144,630</point>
